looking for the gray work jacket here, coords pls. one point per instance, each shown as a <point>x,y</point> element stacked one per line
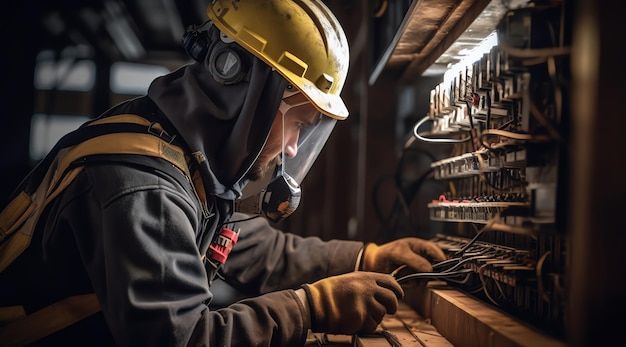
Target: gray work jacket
<point>133,234</point>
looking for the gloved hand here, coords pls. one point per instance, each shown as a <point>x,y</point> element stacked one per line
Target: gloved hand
<point>417,254</point>
<point>352,303</point>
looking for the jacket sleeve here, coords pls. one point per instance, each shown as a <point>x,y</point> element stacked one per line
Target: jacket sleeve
<point>266,259</point>
<point>136,236</point>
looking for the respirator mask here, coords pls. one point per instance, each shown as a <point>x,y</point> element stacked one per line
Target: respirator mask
<point>278,195</point>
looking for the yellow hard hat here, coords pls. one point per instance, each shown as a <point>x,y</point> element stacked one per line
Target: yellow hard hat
<point>301,39</point>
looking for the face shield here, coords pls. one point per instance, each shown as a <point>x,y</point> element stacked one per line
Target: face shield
<point>300,132</point>
<point>300,118</point>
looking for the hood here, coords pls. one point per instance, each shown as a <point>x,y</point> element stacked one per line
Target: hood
<point>224,125</point>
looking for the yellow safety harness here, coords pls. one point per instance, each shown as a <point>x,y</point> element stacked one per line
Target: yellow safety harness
<point>19,218</point>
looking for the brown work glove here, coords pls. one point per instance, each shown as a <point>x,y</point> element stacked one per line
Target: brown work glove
<point>352,303</point>
<point>416,254</point>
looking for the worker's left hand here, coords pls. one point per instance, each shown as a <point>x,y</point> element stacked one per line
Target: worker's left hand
<point>415,253</point>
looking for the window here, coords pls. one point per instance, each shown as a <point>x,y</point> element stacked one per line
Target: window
<point>46,130</point>
<point>67,73</point>
<point>130,78</point>
<point>65,83</point>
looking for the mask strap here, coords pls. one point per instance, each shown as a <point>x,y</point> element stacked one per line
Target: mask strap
<point>282,153</point>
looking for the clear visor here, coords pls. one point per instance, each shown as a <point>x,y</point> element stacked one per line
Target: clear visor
<point>305,131</point>
<point>312,128</point>
<point>310,144</point>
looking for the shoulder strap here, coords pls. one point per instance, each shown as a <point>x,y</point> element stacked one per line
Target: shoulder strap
<point>56,171</point>
<point>48,320</point>
<point>51,176</point>
<point>124,123</point>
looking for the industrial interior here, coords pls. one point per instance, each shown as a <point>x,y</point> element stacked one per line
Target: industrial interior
<point>489,126</point>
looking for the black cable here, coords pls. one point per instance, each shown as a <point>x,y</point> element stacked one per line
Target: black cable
<point>463,261</point>
<point>488,122</point>
<point>405,194</point>
<point>445,262</point>
<point>475,238</point>
<point>408,192</point>
<point>471,121</point>
<point>433,275</point>
<point>238,220</point>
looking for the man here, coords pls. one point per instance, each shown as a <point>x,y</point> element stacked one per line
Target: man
<point>261,98</point>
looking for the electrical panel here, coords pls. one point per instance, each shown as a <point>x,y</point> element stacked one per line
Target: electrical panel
<point>505,118</point>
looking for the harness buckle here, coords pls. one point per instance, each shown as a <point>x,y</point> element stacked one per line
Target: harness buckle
<point>155,129</point>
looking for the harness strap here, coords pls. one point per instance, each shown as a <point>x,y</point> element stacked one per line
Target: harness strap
<point>59,168</point>
<point>48,320</point>
<point>21,215</point>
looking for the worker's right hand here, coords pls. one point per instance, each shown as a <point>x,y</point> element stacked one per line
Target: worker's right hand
<point>352,303</point>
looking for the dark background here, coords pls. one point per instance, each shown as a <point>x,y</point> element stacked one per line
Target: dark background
<point>350,183</point>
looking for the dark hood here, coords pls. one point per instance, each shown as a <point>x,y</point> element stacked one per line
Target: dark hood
<point>227,124</point>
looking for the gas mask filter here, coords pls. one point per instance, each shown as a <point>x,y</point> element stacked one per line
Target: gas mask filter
<point>277,201</point>
<point>281,197</point>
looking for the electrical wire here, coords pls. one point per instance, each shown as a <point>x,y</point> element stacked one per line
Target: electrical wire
<point>451,270</point>
<point>514,136</point>
<point>465,279</point>
<point>512,229</point>
<point>405,193</point>
<point>531,53</point>
<point>425,139</point>
<point>539,116</point>
<point>490,222</point>
<point>394,273</point>
<point>481,276</point>
<point>539,275</point>
<point>465,260</point>
<point>433,275</point>
<point>446,262</point>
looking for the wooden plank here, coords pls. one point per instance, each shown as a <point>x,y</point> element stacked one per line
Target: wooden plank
<point>469,322</point>
<point>458,20</point>
<point>456,319</point>
<point>409,325</point>
<point>410,329</point>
